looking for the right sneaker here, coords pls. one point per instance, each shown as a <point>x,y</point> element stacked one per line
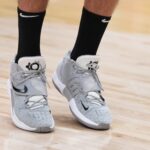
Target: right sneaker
<point>28,92</point>
<point>79,83</point>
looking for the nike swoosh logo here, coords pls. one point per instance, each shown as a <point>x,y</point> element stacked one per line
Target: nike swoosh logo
<point>85,108</point>
<point>26,16</point>
<point>105,21</point>
<point>24,90</point>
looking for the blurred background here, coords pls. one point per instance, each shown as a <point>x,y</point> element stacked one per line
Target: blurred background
<point>124,71</point>
<point>130,15</point>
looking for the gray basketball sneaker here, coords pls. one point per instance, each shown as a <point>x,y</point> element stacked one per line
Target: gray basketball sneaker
<point>79,83</point>
<point>28,94</point>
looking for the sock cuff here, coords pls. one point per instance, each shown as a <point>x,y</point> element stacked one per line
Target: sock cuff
<point>94,15</point>
<point>22,12</point>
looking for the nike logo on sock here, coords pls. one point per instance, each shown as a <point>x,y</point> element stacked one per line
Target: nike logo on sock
<point>105,20</point>
<point>28,16</point>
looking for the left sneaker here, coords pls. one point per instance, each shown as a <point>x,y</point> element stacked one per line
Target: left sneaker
<point>79,83</point>
<point>28,93</point>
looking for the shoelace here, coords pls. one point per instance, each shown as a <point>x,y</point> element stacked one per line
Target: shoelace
<point>33,101</point>
<point>94,96</point>
<point>26,75</point>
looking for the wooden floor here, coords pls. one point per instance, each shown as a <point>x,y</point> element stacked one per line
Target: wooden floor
<point>124,72</point>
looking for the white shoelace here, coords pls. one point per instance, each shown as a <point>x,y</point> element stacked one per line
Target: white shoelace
<point>35,102</point>
<point>93,96</point>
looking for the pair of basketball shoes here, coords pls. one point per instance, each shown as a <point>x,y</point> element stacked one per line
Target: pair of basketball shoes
<point>76,80</point>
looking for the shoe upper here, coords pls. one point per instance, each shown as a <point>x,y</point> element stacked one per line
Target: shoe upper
<point>29,92</point>
<point>34,77</point>
<point>81,80</point>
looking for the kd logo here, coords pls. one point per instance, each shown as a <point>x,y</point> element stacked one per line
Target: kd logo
<point>92,65</point>
<point>33,66</point>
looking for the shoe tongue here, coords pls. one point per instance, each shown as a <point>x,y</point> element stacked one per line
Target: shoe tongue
<point>31,63</point>
<point>88,62</point>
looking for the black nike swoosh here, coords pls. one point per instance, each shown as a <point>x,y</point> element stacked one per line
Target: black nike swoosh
<point>24,90</point>
<point>85,108</point>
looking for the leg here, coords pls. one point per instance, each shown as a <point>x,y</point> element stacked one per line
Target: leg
<point>91,28</point>
<point>76,76</point>
<point>30,20</point>
<point>31,6</point>
<point>101,7</point>
<point>30,110</point>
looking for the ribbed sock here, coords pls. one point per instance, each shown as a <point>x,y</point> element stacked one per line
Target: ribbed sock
<point>91,30</point>
<point>29,25</point>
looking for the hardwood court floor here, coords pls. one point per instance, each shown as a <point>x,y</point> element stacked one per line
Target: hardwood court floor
<point>125,75</point>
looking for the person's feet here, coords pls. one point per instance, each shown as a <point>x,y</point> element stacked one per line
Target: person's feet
<point>27,84</point>
<point>79,83</point>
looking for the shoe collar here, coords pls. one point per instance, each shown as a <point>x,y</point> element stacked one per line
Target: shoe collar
<point>32,63</point>
<point>88,62</point>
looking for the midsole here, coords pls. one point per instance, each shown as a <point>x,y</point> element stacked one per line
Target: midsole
<point>15,119</point>
<point>58,83</point>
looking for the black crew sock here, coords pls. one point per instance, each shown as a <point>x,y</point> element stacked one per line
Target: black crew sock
<point>30,25</point>
<point>91,30</point>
